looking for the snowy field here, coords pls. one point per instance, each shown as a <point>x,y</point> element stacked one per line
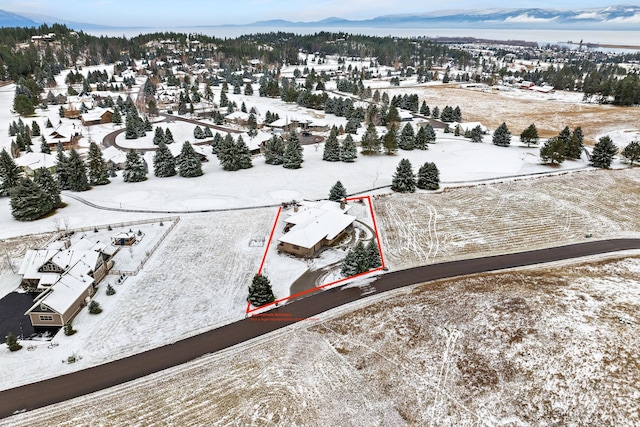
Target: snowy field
<point>542,346</point>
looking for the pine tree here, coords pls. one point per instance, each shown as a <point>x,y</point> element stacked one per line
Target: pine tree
<point>227,154</point>
<point>116,118</point>
<point>428,177</point>
<point>189,163</point>
<point>9,173</point>
<point>421,139</point>
<point>274,151</point>
<point>404,180</point>
<point>476,134</point>
<point>28,201</point>
<point>632,152</point>
<point>349,265</point>
<point>12,342</point>
<point>292,157</point>
<point>407,138</point>
<point>431,133</point>
<point>68,328</point>
<point>158,136</point>
<point>502,136</point>
<point>575,144</point>
<point>530,135</point>
<point>603,153</point>
<point>373,253</point>
<point>435,113</point>
<point>552,151</point>
<point>77,171</point>
<point>390,142</point>
<point>98,172</point>
<point>131,128</point>
<point>43,178</point>
<point>370,141</point>
<point>331,147</point>
<point>243,154</point>
<point>349,151</point>
<point>361,257</point>
<point>62,167</point>
<point>337,192</point>
<point>164,164</point>
<point>134,168</point>
<point>44,147</point>
<point>168,137</point>
<point>35,129</point>
<point>198,133</point>
<point>110,291</point>
<point>217,140</point>
<point>147,126</point>
<point>49,124</point>
<point>94,307</point>
<point>424,109</point>
<point>260,292</point>
<point>207,132</point>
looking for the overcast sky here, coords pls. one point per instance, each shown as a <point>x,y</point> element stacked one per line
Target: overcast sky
<point>214,12</point>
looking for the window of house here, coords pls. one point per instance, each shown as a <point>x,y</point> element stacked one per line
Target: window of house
<point>296,247</point>
<point>46,318</point>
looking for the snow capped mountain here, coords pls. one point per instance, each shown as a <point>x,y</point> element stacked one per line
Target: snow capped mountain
<point>10,19</point>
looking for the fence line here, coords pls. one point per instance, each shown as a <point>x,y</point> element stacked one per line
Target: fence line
<point>174,222</point>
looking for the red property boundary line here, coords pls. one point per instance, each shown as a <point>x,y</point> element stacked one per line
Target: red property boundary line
<point>250,310</point>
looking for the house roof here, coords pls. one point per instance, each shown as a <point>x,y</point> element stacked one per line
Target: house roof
<point>36,160</point>
<point>315,222</point>
<point>63,293</point>
<point>95,114</point>
<point>114,155</point>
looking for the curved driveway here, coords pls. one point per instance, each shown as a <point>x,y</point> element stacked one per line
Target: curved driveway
<point>79,383</point>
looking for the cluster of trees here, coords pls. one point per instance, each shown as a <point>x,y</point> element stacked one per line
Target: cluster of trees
<point>164,136</point>
<point>198,133</point>
<point>232,154</point>
<point>23,135</point>
<point>361,259</point>
<point>289,154</point>
<point>566,145</point>
<point>405,181</point>
<point>136,127</point>
<point>408,139</point>
<point>336,152</point>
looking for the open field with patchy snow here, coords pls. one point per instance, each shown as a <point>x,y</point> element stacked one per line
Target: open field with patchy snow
<point>542,346</point>
<point>508,217</point>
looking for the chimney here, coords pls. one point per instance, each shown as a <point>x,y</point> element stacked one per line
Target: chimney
<point>342,204</point>
<point>295,208</point>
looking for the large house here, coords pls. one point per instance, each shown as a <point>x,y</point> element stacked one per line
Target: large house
<point>313,226</point>
<point>97,116</point>
<point>65,275</point>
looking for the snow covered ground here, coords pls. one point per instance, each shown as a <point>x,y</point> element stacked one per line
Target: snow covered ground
<point>197,279</point>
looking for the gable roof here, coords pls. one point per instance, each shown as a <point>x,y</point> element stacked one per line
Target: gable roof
<point>36,160</point>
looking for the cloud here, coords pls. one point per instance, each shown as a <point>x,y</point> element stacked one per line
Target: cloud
<point>526,18</point>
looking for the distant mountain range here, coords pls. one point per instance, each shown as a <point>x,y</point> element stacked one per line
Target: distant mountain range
<point>623,17</point>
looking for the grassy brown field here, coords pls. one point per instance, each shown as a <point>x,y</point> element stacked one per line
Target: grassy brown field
<point>550,117</point>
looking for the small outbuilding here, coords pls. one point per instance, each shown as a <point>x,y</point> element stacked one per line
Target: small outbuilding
<point>124,239</point>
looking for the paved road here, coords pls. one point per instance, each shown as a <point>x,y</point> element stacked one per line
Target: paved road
<point>79,383</point>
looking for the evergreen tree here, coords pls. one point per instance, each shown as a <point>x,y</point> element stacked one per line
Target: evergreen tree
<point>189,163</point>
<point>431,133</point>
<point>457,114</point>
<point>370,141</point>
<point>349,265</point>
<point>260,292</point>
<point>421,139</point>
<point>552,151</point>
<point>331,147</point>
<point>68,328</point>
<point>168,137</point>
<point>424,109</point>
<point>43,178</point>
<point>94,307</point>
<point>164,164</point>
<point>361,257</point>
<point>632,152</point>
<point>227,154</point>
<point>407,138</point>
<point>62,167</point>
<point>116,118</point>
<point>476,134</point>
<point>49,124</point>
<point>530,135</point>
<point>243,154</point>
<point>158,136</point>
<point>435,113</point>
<point>390,142</point>
<point>349,151</point>
<point>12,343</point>
<point>428,177</point>
<point>392,118</point>
<point>502,136</point>
<point>134,168</point>
<point>217,140</point>
<point>274,151</point>
<point>207,132</point>
<point>98,172</point>
<point>603,153</point>
<point>198,133</point>
<point>292,158</point>
<point>9,173</point>
<point>575,144</point>
<point>404,180</point>
<point>337,192</point>
<point>44,147</point>
<point>77,171</point>
<point>28,201</point>
<point>35,129</point>
<point>373,253</point>
<point>148,127</point>
<point>131,128</point>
